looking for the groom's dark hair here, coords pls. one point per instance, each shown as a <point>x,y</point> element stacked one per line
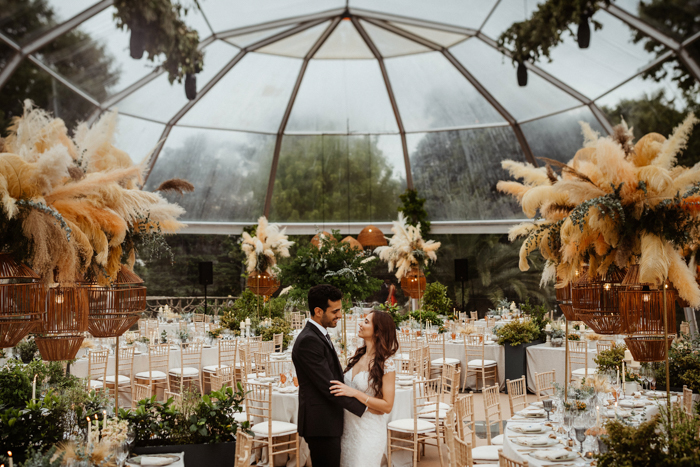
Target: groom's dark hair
<point>321,294</point>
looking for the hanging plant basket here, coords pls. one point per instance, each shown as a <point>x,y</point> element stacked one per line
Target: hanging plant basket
<point>263,283</point>
<point>413,283</point>
<point>20,301</point>
<point>114,309</point>
<point>595,301</point>
<point>64,322</point>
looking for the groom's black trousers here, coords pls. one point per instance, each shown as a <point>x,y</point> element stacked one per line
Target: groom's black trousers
<point>325,450</point>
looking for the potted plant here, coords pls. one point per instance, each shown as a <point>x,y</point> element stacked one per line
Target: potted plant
<point>201,427</point>
<point>516,336</point>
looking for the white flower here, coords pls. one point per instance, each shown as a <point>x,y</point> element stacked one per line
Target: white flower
<point>286,290</point>
<point>367,260</point>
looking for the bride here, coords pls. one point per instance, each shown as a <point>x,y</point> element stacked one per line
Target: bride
<point>370,378</point>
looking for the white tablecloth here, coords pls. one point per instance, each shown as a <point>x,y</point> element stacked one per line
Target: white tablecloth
<point>491,352</point>
<point>544,357</point>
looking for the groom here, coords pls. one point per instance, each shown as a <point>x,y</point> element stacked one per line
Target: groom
<point>316,363</point>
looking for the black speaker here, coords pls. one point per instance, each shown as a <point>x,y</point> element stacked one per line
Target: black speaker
<point>461,270</point>
<point>206,273</point>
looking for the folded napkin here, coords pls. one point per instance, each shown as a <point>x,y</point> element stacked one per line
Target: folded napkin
<point>154,460</point>
<point>633,403</point>
<point>527,428</point>
<point>554,455</point>
<point>537,441</point>
<point>531,412</point>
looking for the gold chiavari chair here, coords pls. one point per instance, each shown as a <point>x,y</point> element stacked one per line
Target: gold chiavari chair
<point>267,431</point>
<point>477,365</point>
<point>505,461</point>
<point>97,369</point>
<point>124,372</point>
<point>223,377</point>
<point>158,363</point>
<point>492,412</point>
<point>177,398</point>
<point>198,318</point>
<point>140,392</point>
<point>190,367</point>
<point>278,342</point>
<point>517,394</point>
<point>475,315</point>
<point>297,321</point>
<point>437,356</point>
<point>244,449</point>
<point>544,382</point>
<point>227,358</point>
<point>245,358</point>
<point>410,434</point>
<point>578,355</point>
<point>460,451</point>
<point>603,345</point>
<point>466,418</point>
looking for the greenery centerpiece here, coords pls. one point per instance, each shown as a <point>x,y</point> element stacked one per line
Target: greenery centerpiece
<point>277,326</point>
<point>435,299</point>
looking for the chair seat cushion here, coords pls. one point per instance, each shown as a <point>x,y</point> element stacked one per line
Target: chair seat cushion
<point>486,453</point>
<point>582,371</point>
<point>497,440</point>
<point>122,379</point>
<point>445,361</point>
<point>406,425</point>
<point>187,371</point>
<point>240,417</point>
<point>96,384</point>
<point>430,414</point>
<point>152,375</point>
<point>480,363</point>
<point>278,428</point>
<point>213,368</point>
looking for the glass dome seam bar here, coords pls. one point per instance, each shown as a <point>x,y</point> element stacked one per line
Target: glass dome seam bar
<point>365,14</point>
<point>288,111</point>
<point>126,92</point>
<point>221,74</point>
<point>154,156</point>
<point>662,58</point>
<point>648,30</point>
<point>691,39</point>
<point>551,114</point>
<point>406,34</point>
<point>601,117</point>
<point>233,130</point>
<point>63,81</point>
<point>50,35</point>
<point>498,2</point>
<point>460,127</point>
<point>323,15</point>
<point>392,98</point>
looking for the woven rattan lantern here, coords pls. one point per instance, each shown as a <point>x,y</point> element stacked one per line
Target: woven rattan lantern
<point>64,320</point>
<point>352,242</point>
<point>371,237</point>
<point>114,309</point>
<point>263,283</point>
<point>316,240</point>
<point>595,301</point>
<point>20,301</point>
<point>642,311</point>
<point>413,283</point>
<point>564,295</point>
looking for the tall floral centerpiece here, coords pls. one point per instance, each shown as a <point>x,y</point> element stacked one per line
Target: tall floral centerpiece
<point>629,213</point>
<point>407,252</point>
<point>262,250</point>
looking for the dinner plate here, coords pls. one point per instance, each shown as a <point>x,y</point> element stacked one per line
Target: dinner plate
<point>542,441</point>
<point>405,383</point>
<point>137,460</point>
<point>551,456</point>
<point>529,429</point>
<point>633,404</point>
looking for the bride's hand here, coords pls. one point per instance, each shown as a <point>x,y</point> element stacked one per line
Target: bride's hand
<point>340,389</point>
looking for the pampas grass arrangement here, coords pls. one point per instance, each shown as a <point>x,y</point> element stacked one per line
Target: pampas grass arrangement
<point>262,249</point>
<point>406,248</point>
<point>77,199</point>
<point>614,204</point>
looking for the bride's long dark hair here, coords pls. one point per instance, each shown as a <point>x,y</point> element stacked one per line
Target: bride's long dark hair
<point>385,345</point>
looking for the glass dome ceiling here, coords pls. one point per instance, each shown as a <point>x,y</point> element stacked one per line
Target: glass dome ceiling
<point>319,114</point>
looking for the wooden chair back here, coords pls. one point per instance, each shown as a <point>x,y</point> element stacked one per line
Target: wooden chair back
<point>492,410</point>
<point>200,327</point>
<point>517,394</point>
<point>278,342</point>
<point>475,315</point>
<point>544,382</point>
<point>177,398</point>
<point>603,345</point>
<point>451,382</point>
<point>198,317</point>
<point>578,355</point>
<point>244,449</point>
<point>687,400</point>
<point>466,418</point>
<point>97,364</point>
<point>460,451</point>
<point>246,361</point>
<point>223,377</point>
<point>191,355</point>
<point>140,392</point>
<point>227,352</point>
<point>158,358</point>
<point>505,461</point>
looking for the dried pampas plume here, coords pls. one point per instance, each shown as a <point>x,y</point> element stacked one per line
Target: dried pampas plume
<point>176,184</point>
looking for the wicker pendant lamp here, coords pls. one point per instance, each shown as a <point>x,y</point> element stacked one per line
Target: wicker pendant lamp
<point>114,309</point>
<point>316,240</point>
<point>262,283</point>
<point>20,301</point>
<point>595,301</point>
<point>64,322</point>
<point>413,283</point>
<point>564,295</point>
<point>352,242</point>
<point>642,311</point>
<point>371,237</point>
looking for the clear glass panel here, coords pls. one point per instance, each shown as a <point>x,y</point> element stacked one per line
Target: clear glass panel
<point>344,42</point>
<point>160,101</point>
<point>245,40</point>
<point>457,172</point>
<point>497,75</point>
<point>611,58</point>
<point>297,45</point>
<point>31,82</point>
<point>559,136</point>
<point>665,16</point>
<point>230,171</point>
<point>330,178</point>
<point>24,21</point>
<point>639,87</point>
<point>467,13</point>
<point>229,14</point>
<point>506,13</point>
<point>443,38</point>
<point>137,137</point>
<point>342,96</point>
<point>390,44</point>
<point>432,94</point>
<point>253,95</point>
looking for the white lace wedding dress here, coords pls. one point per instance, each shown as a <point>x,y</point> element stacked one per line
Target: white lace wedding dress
<point>364,438</point>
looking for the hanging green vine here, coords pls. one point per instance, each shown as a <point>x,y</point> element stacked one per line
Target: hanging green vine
<point>531,39</point>
<point>414,211</point>
<point>157,27</point>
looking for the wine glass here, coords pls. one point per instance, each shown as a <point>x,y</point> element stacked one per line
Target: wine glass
<point>580,435</point>
<point>653,382</point>
<point>121,454</point>
<point>547,405</point>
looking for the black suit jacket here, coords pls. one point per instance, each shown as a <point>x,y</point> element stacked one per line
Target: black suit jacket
<point>316,364</point>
